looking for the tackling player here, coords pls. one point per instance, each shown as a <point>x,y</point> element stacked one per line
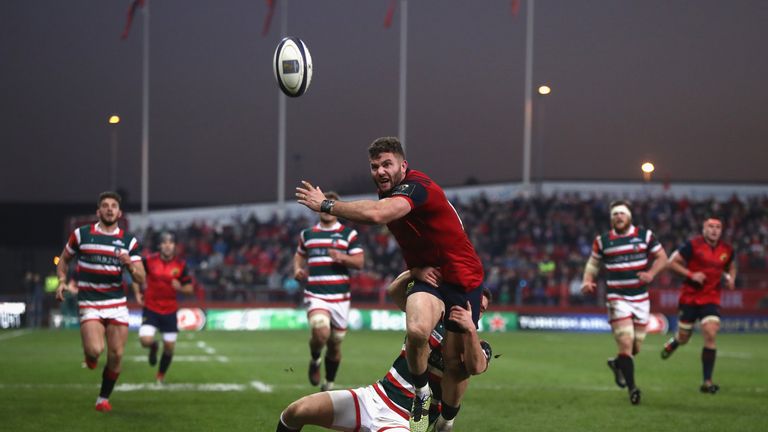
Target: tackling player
<point>166,277</point>
<point>385,405</point>
<point>430,234</point>
<point>328,249</point>
<point>103,250</point>
<point>704,262</point>
<point>625,251</point>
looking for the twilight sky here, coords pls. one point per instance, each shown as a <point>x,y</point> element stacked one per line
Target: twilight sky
<point>679,82</point>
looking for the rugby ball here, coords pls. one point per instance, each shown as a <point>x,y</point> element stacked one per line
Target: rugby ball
<point>292,65</point>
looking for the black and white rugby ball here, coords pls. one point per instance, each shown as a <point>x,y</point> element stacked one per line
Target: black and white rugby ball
<point>292,66</point>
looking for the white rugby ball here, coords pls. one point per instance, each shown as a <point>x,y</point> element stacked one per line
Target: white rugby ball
<point>292,65</point>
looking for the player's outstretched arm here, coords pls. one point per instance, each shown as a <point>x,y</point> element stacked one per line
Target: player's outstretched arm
<point>378,212</point>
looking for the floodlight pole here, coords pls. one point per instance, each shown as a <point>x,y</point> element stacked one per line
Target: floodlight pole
<point>281,124</point>
<point>528,122</point>
<point>145,117</point>
<point>403,71</point>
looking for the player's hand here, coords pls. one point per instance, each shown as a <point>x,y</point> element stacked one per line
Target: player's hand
<point>429,275</point>
<point>176,284</point>
<point>300,274</point>
<point>462,317</point>
<point>645,277</point>
<point>336,256</point>
<point>698,277</point>
<point>588,287</point>
<point>60,291</point>
<point>729,282</point>
<point>123,256</point>
<point>310,196</point>
<point>139,298</point>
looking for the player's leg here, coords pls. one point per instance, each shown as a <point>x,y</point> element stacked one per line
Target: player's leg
<point>621,317</point>
<point>339,322</point>
<point>423,310</point>
<point>320,409</point>
<point>455,378</point>
<point>169,345</point>
<point>92,334</point>
<point>147,333</point>
<point>320,328</point>
<point>686,318</point>
<point>117,336</point>
<point>710,325</point>
<point>168,325</point>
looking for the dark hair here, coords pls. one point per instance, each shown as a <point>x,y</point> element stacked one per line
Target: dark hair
<point>167,236</point>
<point>487,293</point>
<point>618,203</point>
<point>712,216</point>
<point>332,195</point>
<point>109,194</point>
<point>385,145</point>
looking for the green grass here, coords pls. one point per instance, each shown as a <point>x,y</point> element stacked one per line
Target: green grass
<point>541,382</point>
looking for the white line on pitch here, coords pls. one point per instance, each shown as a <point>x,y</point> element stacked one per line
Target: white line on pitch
<point>13,334</point>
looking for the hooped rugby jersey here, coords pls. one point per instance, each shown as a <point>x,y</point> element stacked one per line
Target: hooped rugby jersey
<point>623,256</point>
<point>328,280</point>
<point>396,388</point>
<point>99,271</point>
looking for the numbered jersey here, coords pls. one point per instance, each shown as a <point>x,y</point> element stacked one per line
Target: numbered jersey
<point>432,234</point>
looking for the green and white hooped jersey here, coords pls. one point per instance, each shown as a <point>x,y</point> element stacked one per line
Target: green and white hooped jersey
<point>328,280</point>
<point>623,256</point>
<point>99,271</point>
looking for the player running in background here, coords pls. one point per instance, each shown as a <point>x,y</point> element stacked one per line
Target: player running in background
<point>328,249</point>
<point>166,277</point>
<point>430,234</point>
<point>704,262</point>
<point>625,251</point>
<point>103,250</point>
<point>385,405</point>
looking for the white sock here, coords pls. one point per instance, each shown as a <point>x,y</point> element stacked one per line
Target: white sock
<point>423,391</point>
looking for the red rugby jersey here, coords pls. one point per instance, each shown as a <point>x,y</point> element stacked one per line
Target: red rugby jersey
<point>159,295</point>
<point>712,261</point>
<point>432,233</point>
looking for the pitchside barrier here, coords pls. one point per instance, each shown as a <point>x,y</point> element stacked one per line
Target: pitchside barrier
<point>264,319</point>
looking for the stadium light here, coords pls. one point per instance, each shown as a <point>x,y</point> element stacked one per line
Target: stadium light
<point>545,90</point>
<point>114,119</point>
<point>648,169</point>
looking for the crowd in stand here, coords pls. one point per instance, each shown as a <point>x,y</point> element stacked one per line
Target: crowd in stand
<point>533,249</point>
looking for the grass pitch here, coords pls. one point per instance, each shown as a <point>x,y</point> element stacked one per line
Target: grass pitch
<point>240,381</point>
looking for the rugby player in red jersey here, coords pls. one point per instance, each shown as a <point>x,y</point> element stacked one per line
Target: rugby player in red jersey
<point>385,404</point>
<point>166,277</point>
<point>430,234</point>
<point>707,264</point>
<point>103,250</point>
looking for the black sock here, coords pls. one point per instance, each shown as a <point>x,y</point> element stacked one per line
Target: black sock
<point>708,362</point>
<point>421,379</point>
<point>627,366</point>
<point>165,362</point>
<point>283,428</point>
<point>315,355</point>
<point>331,366</point>
<point>108,379</point>
<point>449,412</point>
